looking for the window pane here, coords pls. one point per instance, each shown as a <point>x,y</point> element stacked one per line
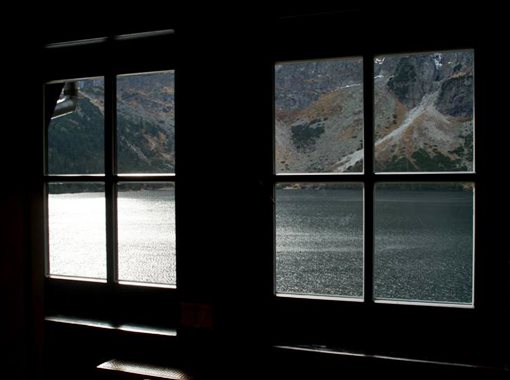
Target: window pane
<point>319,239</point>
<point>145,122</point>
<point>424,242</point>
<point>319,116</point>
<point>77,231</point>
<point>424,112</point>
<point>76,131</point>
<point>146,220</point>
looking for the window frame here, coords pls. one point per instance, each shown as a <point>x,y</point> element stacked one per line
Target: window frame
<point>369,178</point>
<point>110,299</point>
<point>313,321</point>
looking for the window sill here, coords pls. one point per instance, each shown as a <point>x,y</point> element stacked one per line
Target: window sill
<point>142,369</point>
<point>387,359</point>
<point>98,324</point>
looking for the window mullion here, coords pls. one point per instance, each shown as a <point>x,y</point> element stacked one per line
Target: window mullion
<point>110,183</point>
<point>368,201</point>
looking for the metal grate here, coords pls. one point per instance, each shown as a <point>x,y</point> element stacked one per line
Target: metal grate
<point>143,369</point>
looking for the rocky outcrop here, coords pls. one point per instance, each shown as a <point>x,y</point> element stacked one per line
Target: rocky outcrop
<point>423,114</point>
<point>413,78</point>
<point>145,128</point>
<point>298,85</point>
<point>456,97</point>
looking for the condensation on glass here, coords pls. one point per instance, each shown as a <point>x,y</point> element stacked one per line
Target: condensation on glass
<point>424,242</point>
<point>146,233</point>
<point>146,123</point>
<point>424,112</point>
<point>319,116</point>
<point>77,232</point>
<point>75,135</point>
<point>319,239</point>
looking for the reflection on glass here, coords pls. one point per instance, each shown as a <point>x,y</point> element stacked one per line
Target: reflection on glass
<point>319,116</point>
<point>77,232</point>
<point>146,240</point>
<point>76,130</point>
<point>319,239</point>
<point>145,123</point>
<point>424,242</point>
<point>424,112</point>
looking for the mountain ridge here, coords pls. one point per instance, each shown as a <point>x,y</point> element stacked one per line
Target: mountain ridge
<point>423,106</point>
<point>145,128</point>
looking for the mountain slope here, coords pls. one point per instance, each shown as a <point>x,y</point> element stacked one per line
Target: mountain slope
<point>145,128</point>
<point>423,114</point>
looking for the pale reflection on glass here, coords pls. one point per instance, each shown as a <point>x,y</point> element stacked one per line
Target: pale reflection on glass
<point>424,242</point>
<point>319,239</point>
<point>77,232</point>
<point>146,233</point>
<point>146,123</point>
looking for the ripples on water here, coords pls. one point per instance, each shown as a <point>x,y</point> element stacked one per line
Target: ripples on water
<point>77,235</point>
<point>423,244</point>
<point>423,241</point>
<point>146,235</point>
<point>319,242</point>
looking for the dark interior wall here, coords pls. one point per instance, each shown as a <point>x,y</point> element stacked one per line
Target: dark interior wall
<point>14,293</point>
<point>19,355</point>
<point>233,43</point>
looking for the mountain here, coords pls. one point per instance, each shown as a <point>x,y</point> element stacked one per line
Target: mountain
<point>146,123</point>
<point>145,128</point>
<point>423,118</point>
<point>423,114</point>
<point>318,114</point>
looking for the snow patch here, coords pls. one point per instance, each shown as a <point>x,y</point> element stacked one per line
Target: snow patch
<point>438,60</point>
<point>348,161</point>
<point>351,85</point>
<point>427,101</point>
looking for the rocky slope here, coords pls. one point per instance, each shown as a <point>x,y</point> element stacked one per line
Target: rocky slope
<point>146,123</point>
<point>145,128</point>
<point>423,114</point>
<point>423,118</point>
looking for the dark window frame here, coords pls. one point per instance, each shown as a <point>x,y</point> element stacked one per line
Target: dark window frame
<point>372,327</point>
<point>111,300</point>
<point>369,178</point>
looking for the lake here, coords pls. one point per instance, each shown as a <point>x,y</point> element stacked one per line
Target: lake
<point>423,248</point>
<point>146,235</point>
<point>423,241</point>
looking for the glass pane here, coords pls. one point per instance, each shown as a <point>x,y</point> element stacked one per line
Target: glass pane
<point>319,239</point>
<point>76,130</point>
<point>146,220</point>
<point>319,116</point>
<point>77,231</point>
<point>424,242</point>
<point>145,122</point>
<point>424,112</point>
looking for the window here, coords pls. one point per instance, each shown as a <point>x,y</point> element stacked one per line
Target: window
<point>375,178</point>
<point>115,221</point>
<point>110,182</point>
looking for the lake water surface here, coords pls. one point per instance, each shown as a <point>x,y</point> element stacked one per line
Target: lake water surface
<point>423,241</point>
